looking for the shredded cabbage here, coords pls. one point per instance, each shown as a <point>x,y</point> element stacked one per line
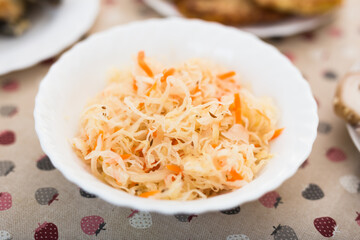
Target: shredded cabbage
<point>176,133</point>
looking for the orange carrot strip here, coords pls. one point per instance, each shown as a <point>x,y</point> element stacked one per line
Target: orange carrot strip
<point>135,87</point>
<point>235,176</point>
<point>232,107</point>
<point>125,156</point>
<point>237,108</point>
<point>214,145</point>
<point>154,134</point>
<point>151,89</point>
<point>197,89</point>
<point>277,133</point>
<point>143,65</point>
<point>226,75</point>
<point>132,184</point>
<point>149,194</point>
<point>167,73</point>
<point>174,168</point>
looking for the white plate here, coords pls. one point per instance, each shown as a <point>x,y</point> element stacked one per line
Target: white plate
<point>283,28</point>
<point>354,135</point>
<point>51,32</point>
<point>81,73</point>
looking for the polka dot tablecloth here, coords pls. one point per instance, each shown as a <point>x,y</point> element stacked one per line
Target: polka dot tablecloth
<point>321,200</point>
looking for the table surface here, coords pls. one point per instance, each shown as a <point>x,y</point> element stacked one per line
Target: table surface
<point>325,186</point>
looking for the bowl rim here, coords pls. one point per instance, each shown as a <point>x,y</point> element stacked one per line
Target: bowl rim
<point>172,206</point>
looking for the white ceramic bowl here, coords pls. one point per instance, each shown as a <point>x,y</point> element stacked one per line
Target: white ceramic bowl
<point>81,73</point>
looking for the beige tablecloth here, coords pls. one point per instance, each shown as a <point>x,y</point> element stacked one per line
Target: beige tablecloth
<point>324,191</point>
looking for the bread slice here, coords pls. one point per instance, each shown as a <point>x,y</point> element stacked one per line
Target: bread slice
<point>347,98</point>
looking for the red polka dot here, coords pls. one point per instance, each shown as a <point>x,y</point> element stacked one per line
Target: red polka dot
<point>10,85</point>
<point>109,2</point>
<point>290,56</point>
<point>5,201</point>
<point>7,137</point>
<point>336,154</point>
<point>335,32</point>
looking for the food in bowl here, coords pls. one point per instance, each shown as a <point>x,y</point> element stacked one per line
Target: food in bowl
<point>244,12</point>
<point>14,14</point>
<point>176,132</point>
<point>302,7</point>
<point>231,12</point>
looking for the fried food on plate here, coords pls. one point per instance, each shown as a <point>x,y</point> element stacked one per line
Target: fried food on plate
<point>347,99</point>
<point>231,12</point>
<point>13,14</point>
<point>11,10</point>
<point>303,7</point>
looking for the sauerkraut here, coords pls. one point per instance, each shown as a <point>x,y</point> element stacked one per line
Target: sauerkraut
<point>179,133</point>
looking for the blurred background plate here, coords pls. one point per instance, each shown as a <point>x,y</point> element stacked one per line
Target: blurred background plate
<point>284,28</point>
<point>51,32</point>
<point>354,135</point>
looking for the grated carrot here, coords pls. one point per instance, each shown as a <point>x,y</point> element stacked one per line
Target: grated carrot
<point>235,176</point>
<point>197,89</point>
<point>149,194</point>
<point>232,107</point>
<point>226,75</point>
<point>151,89</point>
<point>174,168</point>
<point>125,156</point>
<point>135,87</point>
<point>143,65</point>
<point>167,73</point>
<point>277,133</point>
<point>237,108</point>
